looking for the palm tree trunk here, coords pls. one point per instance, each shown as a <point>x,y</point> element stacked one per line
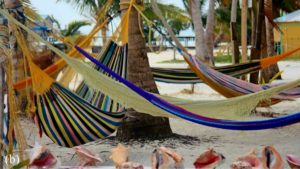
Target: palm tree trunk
<point>220,36</point>
<point>274,69</point>
<point>209,33</point>
<point>138,125</point>
<point>234,35</point>
<point>255,51</point>
<point>17,57</point>
<point>195,13</point>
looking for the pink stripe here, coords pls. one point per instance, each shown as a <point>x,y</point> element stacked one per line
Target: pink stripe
<point>74,137</point>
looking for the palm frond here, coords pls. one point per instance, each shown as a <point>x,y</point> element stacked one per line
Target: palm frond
<point>73,27</point>
<point>29,10</point>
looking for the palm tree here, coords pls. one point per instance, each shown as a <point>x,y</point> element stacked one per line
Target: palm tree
<point>139,125</point>
<point>136,125</point>
<point>94,8</point>
<point>204,38</point>
<point>176,16</point>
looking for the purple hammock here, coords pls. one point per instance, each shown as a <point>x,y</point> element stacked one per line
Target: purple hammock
<point>184,114</point>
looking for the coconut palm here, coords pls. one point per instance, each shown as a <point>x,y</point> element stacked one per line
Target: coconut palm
<point>204,36</point>
<point>139,73</point>
<point>139,125</point>
<point>176,16</point>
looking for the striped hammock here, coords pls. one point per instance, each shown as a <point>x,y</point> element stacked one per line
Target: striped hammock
<point>114,57</point>
<point>186,75</point>
<point>69,120</point>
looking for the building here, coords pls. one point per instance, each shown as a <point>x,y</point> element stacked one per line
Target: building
<point>289,38</point>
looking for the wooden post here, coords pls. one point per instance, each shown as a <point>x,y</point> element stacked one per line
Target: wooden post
<point>244,30</point>
<point>255,51</point>
<point>233,28</point>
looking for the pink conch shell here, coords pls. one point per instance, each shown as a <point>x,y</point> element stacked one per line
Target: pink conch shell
<point>160,159</point>
<point>86,157</point>
<point>178,159</point>
<point>249,161</point>
<point>293,161</point>
<point>271,159</point>
<point>209,160</point>
<point>41,157</point>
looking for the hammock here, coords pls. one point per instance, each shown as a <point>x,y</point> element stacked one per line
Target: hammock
<point>230,86</point>
<point>184,114</point>
<point>132,96</point>
<point>114,57</point>
<point>185,75</point>
<point>69,121</point>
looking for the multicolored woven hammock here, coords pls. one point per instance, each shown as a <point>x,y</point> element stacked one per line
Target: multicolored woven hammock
<point>68,120</point>
<point>185,75</point>
<point>65,117</point>
<point>184,114</point>
<point>114,57</point>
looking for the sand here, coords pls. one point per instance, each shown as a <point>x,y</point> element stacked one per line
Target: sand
<point>192,139</point>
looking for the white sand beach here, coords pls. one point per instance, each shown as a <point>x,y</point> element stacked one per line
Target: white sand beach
<point>193,139</point>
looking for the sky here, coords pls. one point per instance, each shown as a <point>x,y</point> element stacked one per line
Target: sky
<point>66,13</point>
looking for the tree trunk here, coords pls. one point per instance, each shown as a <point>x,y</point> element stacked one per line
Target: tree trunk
<point>220,36</point>
<point>273,69</point>
<point>253,23</point>
<point>196,16</point>
<point>265,74</point>
<point>234,35</point>
<point>209,33</point>
<point>138,125</point>
<point>255,51</point>
<point>17,56</point>
<point>244,30</point>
